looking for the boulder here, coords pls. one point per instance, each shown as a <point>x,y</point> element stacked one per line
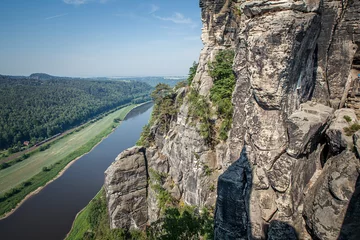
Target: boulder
<point>306,126</point>
<point>327,202</point>
<point>335,134</point>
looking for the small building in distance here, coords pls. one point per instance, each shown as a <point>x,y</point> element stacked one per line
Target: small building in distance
<point>26,143</point>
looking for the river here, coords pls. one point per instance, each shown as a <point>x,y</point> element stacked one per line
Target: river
<point>50,213</point>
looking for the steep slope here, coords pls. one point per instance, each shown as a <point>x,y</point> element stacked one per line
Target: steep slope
<point>287,170</point>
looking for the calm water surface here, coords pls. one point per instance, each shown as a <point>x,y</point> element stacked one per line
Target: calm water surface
<point>50,213</point>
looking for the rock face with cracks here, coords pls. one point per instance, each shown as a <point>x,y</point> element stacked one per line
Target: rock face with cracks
<point>288,169</point>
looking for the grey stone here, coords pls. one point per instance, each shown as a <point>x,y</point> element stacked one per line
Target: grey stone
<point>126,190</point>
<point>280,174</point>
<point>327,201</point>
<point>356,142</point>
<point>306,126</point>
<point>335,134</point>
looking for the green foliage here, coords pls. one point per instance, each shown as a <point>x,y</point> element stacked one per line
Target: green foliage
<point>192,73</point>
<point>4,165</point>
<point>44,147</point>
<point>157,176</point>
<point>349,131</point>
<point>182,223</point>
<point>32,109</point>
<point>221,92</point>
<point>46,169</point>
<point>165,110</point>
<point>347,118</point>
<point>207,170</point>
<point>199,109</point>
<point>145,137</point>
<point>96,208</point>
<point>117,120</point>
<point>180,85</point>
<point>93,223</point>
<point>157,179</point>
<point>212,187</point>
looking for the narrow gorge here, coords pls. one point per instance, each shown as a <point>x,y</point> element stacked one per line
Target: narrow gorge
<point>285,164</point>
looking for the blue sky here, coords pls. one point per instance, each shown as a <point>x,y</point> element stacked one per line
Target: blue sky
<point>99,37</point>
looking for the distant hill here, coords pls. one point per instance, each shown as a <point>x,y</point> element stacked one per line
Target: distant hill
<point>42,76</point>
<point>152,81</point>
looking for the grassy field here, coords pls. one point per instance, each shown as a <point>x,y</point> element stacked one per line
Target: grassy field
<point>20,172</point>
<point>17,181</point>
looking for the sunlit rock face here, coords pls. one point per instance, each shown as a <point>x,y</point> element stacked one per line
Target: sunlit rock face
<point>288,169</point>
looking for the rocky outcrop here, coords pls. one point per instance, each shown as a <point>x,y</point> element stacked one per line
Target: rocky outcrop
<point>283,172</point>
<point>327,201</point>
<point>126,190</point>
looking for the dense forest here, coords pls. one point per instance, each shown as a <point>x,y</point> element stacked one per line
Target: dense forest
<point>33,109</point>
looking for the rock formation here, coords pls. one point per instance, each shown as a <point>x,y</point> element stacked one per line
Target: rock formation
<point>288,169</point>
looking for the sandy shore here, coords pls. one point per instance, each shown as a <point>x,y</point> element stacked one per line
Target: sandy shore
<point>61,172</point>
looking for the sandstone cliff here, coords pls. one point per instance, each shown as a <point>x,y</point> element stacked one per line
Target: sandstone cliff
<point>288,170</point>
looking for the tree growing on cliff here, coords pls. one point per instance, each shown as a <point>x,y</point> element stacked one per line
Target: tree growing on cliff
<point>192,72</point>
<point>221,93</point>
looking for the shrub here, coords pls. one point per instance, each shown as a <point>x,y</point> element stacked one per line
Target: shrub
<point>182,223</point>
<point>26,183</point>
<point>46,169</point>
<point>347,118</point>
<point>180,84</point>
<point>207,170</point>
<point>199,109</point>
<point>4,165</point>
<point>192,72</point>
<point>349,131</point>
<point>221,92</point>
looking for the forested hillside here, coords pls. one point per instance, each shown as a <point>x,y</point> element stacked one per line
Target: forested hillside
<point>33,109</point>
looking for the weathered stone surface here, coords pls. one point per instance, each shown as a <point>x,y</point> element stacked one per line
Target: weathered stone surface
<point>126,190</point>
<point>280,174</point>
<point>261,180</point>
<point>306,125</point>
<point>267,203</point>
<point>335,134</point>
<point>281,231</point>
<point>326,203</point>
<point>287,53</point>
<point>356,142</point>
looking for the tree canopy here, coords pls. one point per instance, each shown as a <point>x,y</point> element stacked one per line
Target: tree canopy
<point>32,109</point>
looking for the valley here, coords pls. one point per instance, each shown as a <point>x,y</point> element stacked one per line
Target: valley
<point>65,197</point>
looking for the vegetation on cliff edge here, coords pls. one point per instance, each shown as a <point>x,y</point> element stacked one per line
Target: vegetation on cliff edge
<point>220,95</point>
<point>166,107</point>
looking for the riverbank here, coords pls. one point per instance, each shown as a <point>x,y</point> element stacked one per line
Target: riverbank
<point>25,190</point>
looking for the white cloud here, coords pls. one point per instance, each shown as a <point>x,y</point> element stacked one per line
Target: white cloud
<point>176,18</point>
<point>56,16</point>
<point>153,8</point>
